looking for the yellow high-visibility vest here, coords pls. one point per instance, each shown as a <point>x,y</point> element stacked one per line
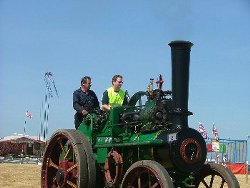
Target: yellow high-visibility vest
<point>115,98</point>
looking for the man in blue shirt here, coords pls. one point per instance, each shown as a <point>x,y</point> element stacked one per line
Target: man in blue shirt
<point>84,101</point>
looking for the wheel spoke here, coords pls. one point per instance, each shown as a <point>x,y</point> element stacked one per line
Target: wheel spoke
<point>61,145</point>
<point>52,164</point>
<point>54,185</point>
<point>66,154</point>
<point>149,180</point>
<point>204,183</point>
<point>72,167</point>
<point>211,181</point>
<point>155,185</point>
<point>222,183</point>
<point>139,182</point>
<point>70,183</point>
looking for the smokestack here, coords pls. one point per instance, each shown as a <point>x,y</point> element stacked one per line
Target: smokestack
<point>180,51</point>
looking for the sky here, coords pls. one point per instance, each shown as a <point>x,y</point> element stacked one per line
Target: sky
<point>102,38</point>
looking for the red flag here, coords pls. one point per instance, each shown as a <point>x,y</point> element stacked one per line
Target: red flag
<point>203,131</point>
<point>28,114</point>
<point>215,132</point>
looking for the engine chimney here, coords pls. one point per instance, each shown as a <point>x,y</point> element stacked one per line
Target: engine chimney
<point>180,51</point>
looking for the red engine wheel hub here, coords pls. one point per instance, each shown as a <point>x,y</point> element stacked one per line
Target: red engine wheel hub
<point>190,150</point>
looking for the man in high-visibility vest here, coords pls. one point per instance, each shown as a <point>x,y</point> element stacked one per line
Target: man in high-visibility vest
<point>114,96</point>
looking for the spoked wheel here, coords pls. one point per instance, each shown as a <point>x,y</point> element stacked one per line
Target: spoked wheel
<point>68,161</point>
<point>216,175</point>
<point>147,174</point>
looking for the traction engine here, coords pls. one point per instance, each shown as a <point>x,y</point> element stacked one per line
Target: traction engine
<point>144,144</point>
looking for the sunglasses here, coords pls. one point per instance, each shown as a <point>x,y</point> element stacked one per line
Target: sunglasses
<point>88,84</point>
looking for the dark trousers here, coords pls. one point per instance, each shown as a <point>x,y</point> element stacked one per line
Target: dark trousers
<point>78,119</point>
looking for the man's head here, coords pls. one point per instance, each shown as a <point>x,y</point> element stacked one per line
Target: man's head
<point>86,83</point>
<point>117,82</point>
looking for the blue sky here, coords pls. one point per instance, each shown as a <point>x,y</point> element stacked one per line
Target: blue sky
<point>102,38</point>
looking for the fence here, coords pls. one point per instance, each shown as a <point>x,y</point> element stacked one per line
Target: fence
<point>231,153</point>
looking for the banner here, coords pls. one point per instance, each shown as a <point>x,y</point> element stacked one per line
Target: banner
<point>223,148</point>
<point>237,168</point>
<point>215,145</point>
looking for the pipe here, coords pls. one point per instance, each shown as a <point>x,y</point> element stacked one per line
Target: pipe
<point>180,55</point>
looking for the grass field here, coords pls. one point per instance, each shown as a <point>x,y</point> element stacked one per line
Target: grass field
<point>28,176</point>
<point>19,175</point>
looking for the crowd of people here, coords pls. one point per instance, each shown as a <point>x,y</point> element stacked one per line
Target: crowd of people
<point>85,100</point>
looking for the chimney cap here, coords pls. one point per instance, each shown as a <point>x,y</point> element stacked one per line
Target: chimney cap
<point>180,44</point>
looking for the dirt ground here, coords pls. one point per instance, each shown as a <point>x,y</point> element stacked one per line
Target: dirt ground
<point>19,175</point>
<point>28,176</point>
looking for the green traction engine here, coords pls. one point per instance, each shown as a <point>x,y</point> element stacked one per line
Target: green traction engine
<point>145,144</point>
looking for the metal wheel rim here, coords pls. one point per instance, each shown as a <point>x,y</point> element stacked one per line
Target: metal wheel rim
<point>144,177</point>
<point>61,165</point>
<point>212,179</point>
<point>146,174</point>
<point>216,175</point>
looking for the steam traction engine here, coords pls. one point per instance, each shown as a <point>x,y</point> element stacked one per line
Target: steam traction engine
<point>138,145</point>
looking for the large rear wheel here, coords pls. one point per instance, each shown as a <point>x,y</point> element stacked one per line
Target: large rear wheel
<point>147,174</point>
<point>68,161</point>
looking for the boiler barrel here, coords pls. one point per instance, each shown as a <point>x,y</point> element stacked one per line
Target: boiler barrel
<point>180,55</point>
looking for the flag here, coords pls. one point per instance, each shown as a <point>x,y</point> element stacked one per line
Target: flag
<point>215,132</point>
<point>28,114</point>
<point>203,131</point>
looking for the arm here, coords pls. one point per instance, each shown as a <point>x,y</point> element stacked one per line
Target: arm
<point>76,104</point>
<point>96,102</point>
<point>126,98</point>
<point>105,101</point>
<point>106,107</point>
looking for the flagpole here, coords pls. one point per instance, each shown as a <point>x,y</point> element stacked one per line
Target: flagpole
<point>247,162</point>
<point>27,115</point>
<point>24,128</point>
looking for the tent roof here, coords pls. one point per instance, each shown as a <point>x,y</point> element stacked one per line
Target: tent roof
<point>20,138</point>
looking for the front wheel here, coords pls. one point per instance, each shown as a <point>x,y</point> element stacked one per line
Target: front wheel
<point>146,174</point>
<point>215,175</point>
